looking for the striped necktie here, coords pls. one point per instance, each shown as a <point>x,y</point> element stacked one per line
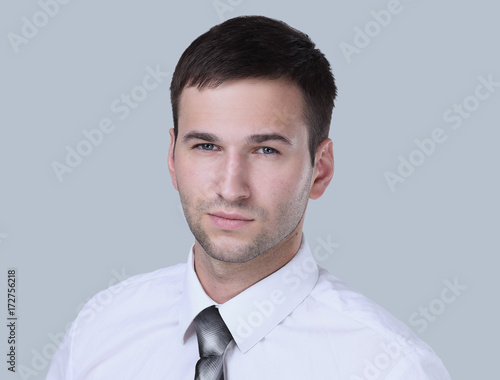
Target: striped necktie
<point>213,338</point>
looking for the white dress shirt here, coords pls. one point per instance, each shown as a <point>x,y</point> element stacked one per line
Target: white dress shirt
<point>298,323</point>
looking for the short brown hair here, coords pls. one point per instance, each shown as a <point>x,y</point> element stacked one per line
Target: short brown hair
<point>260,47</point>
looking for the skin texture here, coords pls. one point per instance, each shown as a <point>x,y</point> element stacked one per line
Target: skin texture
<point>242,167</point>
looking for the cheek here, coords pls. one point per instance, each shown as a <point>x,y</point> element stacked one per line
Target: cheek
<point>197,181</point>
<point>295,175</point>
<point>193,167</point>
<point>187,177</point>
<point>285,186</point>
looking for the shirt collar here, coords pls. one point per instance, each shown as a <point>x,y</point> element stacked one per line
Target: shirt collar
<point>194,299</point>
<point>253,313</point>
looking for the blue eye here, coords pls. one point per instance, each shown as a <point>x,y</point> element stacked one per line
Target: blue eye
<point>268,150</point>
<point>205,146</point>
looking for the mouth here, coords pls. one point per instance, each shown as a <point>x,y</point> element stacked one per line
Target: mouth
<point>229,221</point>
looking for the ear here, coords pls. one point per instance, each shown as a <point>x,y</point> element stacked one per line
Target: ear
<point>323,168</point>
<point>171,164</point>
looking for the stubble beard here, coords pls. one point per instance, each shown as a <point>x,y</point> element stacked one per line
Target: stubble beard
<point>289,215</point>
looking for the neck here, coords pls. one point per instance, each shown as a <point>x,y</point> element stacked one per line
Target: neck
<point>224,280</point>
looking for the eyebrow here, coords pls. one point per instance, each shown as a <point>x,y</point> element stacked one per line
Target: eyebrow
<point>260,138</point>
<point>195,135</point>
<point>252,139</point>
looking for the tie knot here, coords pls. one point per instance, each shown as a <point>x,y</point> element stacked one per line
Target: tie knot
<point>213,334</point>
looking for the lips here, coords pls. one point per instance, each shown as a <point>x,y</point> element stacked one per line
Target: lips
<point>229,221</point>
<point>230,216</point>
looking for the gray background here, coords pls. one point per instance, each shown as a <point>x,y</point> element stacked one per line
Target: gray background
<point>118,212</point>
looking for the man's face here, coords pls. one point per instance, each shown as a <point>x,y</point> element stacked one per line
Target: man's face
<point>242,166</point>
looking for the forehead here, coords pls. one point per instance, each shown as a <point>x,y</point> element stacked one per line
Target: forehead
<point>242,107</point>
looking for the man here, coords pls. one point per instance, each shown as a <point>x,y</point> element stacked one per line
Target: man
<point>252,101</point>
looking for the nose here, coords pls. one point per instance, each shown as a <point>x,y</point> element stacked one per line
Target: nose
<point>232,179</point>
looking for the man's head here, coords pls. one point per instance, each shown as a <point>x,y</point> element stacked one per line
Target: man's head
<point>250,98</point>
<point>259,47</point>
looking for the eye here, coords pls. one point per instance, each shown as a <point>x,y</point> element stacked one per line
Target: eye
<point>267,150</point>
<point>205,146</point>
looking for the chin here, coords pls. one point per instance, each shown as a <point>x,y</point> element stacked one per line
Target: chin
<point>231,250</point>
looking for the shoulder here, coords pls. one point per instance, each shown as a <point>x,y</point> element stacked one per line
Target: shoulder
<point>117,316</point>
<point>354,309</point>
<point>164,280</point>
<point>163,277</point>
<point>377,341</point>
<point>136,296</point>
